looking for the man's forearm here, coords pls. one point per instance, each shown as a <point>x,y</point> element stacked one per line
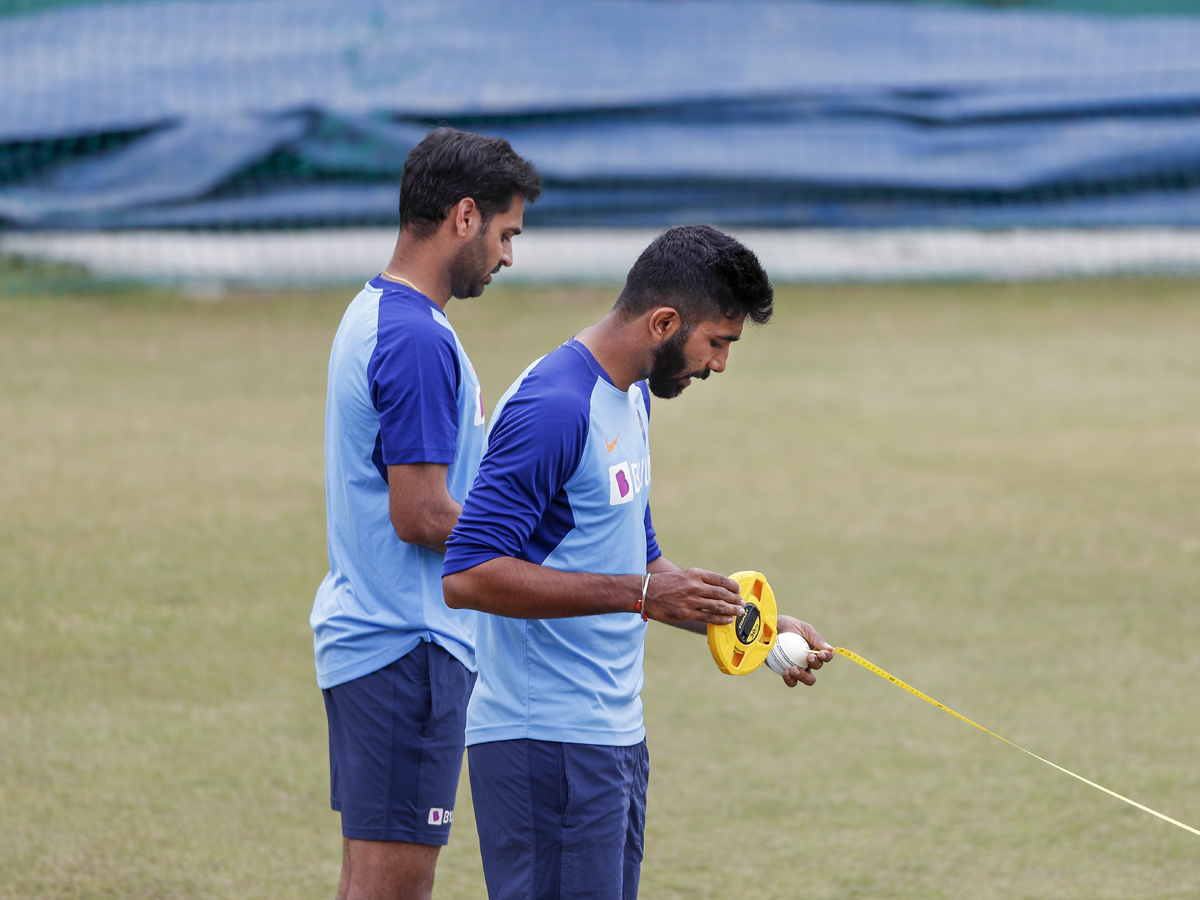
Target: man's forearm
<point>430,526</point>
<point>421,509</point>
<point>522,590</point>
<point>512,587</point>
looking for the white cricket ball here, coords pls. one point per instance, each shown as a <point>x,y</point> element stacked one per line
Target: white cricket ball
<point>790,650</point>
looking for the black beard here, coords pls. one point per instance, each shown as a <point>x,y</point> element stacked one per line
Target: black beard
<point>467,270</point>
<point>670,368</point>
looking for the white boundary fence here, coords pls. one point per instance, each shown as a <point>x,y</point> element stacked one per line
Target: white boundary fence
<point>214,260</point>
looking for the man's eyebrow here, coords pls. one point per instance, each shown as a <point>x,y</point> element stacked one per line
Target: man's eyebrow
<point>729,337</point>
<point>514,232</point>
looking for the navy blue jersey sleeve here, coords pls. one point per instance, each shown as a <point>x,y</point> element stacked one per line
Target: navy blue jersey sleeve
<point>414,374</point>
<point>533,450</point>
<point>645,386</point>
<point>652,550</point>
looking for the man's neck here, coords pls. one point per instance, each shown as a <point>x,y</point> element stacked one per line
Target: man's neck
<point>614,343</point>
<point>420,264</point>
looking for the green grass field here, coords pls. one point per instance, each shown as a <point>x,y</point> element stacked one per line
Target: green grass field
<point>991,491</point>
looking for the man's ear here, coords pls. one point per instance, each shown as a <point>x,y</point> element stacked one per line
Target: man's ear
<point>466,217</point>
<point>664,321</point>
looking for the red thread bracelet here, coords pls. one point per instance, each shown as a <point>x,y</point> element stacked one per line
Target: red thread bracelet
<point>641,601</point>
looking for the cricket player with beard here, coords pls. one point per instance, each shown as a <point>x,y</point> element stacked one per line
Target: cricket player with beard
<point>556,546</point>
<point>403,439</point>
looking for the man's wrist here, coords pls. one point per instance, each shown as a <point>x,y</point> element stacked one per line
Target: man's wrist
<point>640,606</point>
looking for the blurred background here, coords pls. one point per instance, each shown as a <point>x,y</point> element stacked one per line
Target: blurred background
<point>218,142</point>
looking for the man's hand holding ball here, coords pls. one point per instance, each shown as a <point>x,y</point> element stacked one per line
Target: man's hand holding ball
<point>794,656</point>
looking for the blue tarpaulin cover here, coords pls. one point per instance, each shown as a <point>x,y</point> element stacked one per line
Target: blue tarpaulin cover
<point>637,112</point>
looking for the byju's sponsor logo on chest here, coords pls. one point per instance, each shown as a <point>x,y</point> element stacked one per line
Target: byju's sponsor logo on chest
<point>627,479</point>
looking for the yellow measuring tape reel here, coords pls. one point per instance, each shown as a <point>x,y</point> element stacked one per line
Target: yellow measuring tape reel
<point>742,646</point>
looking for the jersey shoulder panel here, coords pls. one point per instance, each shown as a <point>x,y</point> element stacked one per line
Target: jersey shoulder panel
<point>415,373</point>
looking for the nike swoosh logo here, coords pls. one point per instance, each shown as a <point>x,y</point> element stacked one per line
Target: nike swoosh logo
<point>614,442</point>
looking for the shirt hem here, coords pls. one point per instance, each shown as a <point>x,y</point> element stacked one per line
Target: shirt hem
<point>419,455</point>
<point>349,672</point>
<point>595,736</point>
<point>468,561</point>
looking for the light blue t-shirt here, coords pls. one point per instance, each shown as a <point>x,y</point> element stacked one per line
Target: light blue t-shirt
<point>401,390</point>
<point>564,483</point>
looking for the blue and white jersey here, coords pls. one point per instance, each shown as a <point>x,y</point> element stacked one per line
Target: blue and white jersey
<point>401,390</point>
<point>564,483</point>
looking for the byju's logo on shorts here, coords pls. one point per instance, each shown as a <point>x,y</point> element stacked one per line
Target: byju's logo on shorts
<point>620,484</point>
<point>438,816</point>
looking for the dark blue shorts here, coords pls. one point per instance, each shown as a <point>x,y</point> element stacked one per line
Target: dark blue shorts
<point>560,820</point>
<point>396,746</point>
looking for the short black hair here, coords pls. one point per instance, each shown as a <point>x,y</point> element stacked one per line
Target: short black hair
<point>703,273</point>
<point>449,165</point>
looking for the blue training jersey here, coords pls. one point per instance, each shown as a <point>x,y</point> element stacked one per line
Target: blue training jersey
<point>564,483</point>
<point>401,390</point>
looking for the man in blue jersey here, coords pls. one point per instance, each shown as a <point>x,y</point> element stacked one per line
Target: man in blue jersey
<point>555,544</point>
<point>403,440</point>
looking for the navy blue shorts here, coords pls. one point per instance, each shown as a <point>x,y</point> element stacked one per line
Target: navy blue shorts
<point>396,747</point>
<point>560,820</point>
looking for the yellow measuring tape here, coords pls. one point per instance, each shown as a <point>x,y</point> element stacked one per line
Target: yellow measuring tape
<point>854,657</point>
